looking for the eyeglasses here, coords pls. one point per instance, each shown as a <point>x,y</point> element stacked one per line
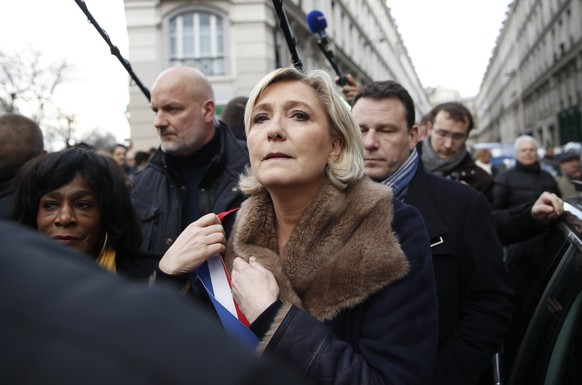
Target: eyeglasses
<point>447,135</point>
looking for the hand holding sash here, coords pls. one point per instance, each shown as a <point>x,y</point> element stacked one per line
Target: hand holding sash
<point>200,240</point>
<point>254,288</point>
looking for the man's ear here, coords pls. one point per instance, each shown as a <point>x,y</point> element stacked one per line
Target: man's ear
<point>208,110</point>
<point>413,133</point>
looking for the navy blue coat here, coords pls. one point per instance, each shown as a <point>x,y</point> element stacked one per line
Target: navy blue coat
<point>341,349</point>
<point>345,331</point>
<point>475,298</point>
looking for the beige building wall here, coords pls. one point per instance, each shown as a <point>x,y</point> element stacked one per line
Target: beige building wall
<point>533,83</point>
<point>362,33</point>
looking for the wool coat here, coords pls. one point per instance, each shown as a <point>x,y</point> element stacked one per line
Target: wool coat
<point>357,285</point>
<point>474,293</point>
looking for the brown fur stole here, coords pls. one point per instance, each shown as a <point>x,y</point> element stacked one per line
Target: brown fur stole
<point>342,250</point>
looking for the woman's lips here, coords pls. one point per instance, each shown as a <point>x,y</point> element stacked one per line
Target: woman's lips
<point>67,239</point>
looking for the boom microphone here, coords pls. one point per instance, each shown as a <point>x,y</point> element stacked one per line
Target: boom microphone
<point>317,24</point>
<point>114,50</point>
<point>288,33</point>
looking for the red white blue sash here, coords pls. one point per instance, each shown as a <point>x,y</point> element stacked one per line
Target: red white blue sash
<point>216,282</point>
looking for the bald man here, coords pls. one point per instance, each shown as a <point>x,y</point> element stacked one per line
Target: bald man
<point>195,170</point>
<point>20,140</point>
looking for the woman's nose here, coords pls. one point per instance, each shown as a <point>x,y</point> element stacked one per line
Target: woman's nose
<point>65,216</point>
<point>277,129</point>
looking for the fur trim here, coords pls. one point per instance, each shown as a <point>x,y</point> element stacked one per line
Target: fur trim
<point>342,250</point>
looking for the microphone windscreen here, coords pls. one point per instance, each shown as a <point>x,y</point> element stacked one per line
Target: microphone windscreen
<point>316,21</point>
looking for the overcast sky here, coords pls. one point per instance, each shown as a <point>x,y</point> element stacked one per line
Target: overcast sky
<point>449,41</point>
<point>96,89</point>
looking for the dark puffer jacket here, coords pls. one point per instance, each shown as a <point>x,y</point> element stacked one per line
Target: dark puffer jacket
<point>522,184</point>
<point>158,194</point>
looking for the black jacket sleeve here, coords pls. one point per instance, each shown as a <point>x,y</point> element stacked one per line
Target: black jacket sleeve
<point>516,224</point>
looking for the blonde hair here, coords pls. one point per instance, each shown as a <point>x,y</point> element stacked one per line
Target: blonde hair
<point>349,166</point>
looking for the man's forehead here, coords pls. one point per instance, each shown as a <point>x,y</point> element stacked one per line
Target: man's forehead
<point>444,116</point>
<point>379,104</point>
<point>379,112</point>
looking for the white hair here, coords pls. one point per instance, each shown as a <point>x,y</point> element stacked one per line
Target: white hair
<point>525,138</point>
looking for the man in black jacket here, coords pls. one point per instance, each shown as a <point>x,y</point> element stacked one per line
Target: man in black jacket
<point>195,170</point>
<point>65,320</point>
<point>475,298</point>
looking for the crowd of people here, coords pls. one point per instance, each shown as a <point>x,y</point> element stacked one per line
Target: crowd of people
<point>359,246</point>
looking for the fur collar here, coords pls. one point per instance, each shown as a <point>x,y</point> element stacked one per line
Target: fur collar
<point>343,248</point>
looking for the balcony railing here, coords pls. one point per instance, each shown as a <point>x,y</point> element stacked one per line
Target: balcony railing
<point>210,66</point>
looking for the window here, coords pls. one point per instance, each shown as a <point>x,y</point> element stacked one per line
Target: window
<point>550,342</point>
<point>197,40</point>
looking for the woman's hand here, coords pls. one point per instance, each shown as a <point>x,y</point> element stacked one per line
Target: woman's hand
<point>200,240</point>
<point>254,288</point>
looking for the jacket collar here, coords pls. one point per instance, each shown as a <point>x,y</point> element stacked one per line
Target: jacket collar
<point>532,168</point>
<point>419,196</point>
<point>231,151</point>
<point>343,248</point>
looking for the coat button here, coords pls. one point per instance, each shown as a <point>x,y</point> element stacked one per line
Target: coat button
<point>169,241</point>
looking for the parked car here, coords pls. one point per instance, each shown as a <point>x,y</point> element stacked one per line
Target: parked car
<point>544,345</point>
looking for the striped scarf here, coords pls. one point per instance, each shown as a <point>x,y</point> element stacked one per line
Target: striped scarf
<point>401,178</point>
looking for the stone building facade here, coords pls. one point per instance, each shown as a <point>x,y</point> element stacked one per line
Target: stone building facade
<point>533,83</point>
<point>236,42</point>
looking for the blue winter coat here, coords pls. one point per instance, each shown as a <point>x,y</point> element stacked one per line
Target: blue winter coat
<point>357,285</point>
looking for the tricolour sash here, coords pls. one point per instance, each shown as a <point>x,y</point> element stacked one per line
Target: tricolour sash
<point>216,282</point>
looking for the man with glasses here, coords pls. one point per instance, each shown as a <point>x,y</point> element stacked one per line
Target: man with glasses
<point>444,151</point>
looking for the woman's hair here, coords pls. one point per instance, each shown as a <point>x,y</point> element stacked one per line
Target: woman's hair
<point>51,171</point>
<point>349,166</point>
